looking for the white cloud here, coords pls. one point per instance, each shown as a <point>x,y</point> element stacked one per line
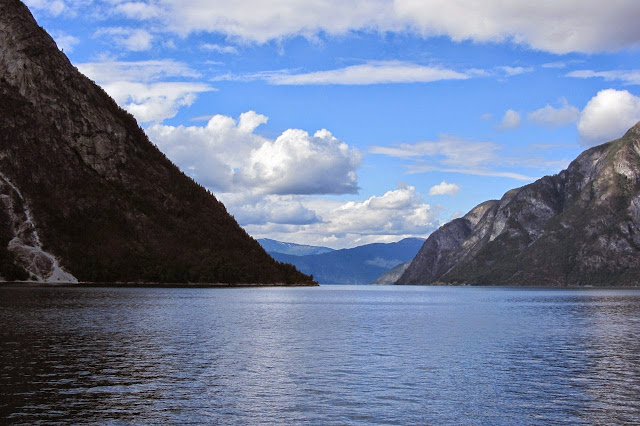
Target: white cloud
<point>136,86</point>
<point>444,188</point>
<point>486,116</point>
<point>456,214</point>
<point>625,76</point>
<point>608,115</point>
<point>510,120</point>
<point>219,48</point>
<point>259,210</point>
<point>228,156</point>
<point>549,116</point>
<point>380,72</point>
<point>511,71</point>
<point>419,168</point>
<point>138,10</point>
<point>448,150</point>
<point>135,71</point>
<point>65,41</point>
<point>133,39</point>
<point>396,214</point>
<point>561,64</point>
<point>456,155</point>
<point>53,7</point>
<point>558,27</point>
<point>156,101</point>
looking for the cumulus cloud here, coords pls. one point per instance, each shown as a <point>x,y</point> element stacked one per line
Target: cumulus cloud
<point>631,77</point>
<point>379,72</point>
<point>444,188</point>
<point>397,214</point>
<point>259,210</point>
<point>558,27</point>
<point>608,115</point>
<point>510,120</point>
<point>156,101</point>
<point>550,116</point>
<point>135,86</point>
<point>227,155</point>
<point>133,39</point>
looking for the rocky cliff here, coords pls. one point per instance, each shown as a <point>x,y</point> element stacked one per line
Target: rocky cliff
<point>85,195</point>
<point>579,227</point>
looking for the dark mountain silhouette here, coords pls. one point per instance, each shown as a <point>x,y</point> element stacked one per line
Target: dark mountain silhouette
<point>84,194</point>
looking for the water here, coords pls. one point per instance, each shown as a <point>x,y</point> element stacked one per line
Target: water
<point>347,355</point>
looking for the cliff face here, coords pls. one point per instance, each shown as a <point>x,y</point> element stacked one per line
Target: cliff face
<point>103,201</point>
<point>579,227</point>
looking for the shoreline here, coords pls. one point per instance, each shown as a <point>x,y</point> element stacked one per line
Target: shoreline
<point>34,284</point>
<point>147,285</point>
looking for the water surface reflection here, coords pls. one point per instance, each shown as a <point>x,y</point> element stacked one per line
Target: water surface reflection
<point>322,355</point>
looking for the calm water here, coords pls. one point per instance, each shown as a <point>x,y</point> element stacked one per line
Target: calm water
<point>320,355</point>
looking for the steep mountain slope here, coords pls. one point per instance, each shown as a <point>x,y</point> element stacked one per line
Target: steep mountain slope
<point>82,185</point>
<point>358,265</point>
<point>392,275</point>
<point>273,246</point>
<point>579,227</point>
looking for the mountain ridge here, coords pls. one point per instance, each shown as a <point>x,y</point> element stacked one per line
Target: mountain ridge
<point>579,227</point>
<point>275,246</point>
<point>357,265</point>
<point>105,201</point>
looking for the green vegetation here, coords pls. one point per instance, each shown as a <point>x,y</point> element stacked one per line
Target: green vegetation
<point>106,201</point>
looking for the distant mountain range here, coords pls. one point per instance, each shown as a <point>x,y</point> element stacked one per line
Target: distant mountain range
<point>291,248</point>
<point>84,194</point>
<point>358,265</point>
<point>579,227</point>
<point>392,275</point>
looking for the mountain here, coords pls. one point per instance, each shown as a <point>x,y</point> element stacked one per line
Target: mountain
<point>579,227</point>
<point>392,275</point>
<point>86,196</point>
<point>358,265</point>
<point>273,246</point>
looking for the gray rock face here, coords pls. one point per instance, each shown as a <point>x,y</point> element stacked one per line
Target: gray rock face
<point>579,227</point>
<point>25,245</point>
<point>103,200</point>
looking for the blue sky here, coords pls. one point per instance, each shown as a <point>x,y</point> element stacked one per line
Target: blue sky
<point>344,123</point>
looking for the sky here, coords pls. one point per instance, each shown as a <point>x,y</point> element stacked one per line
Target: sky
<point>345,122</point>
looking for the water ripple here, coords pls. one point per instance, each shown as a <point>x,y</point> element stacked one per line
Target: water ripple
<point>328,355</point>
